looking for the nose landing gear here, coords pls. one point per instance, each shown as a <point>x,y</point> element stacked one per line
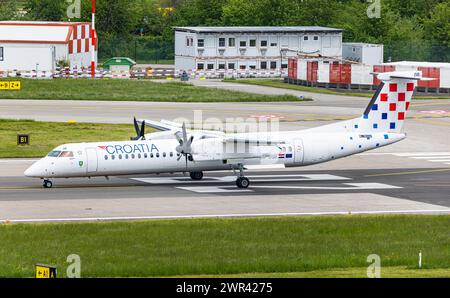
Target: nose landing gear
<point>47,184</point>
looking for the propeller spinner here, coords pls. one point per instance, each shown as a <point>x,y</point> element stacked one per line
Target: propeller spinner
<point>185,147</point>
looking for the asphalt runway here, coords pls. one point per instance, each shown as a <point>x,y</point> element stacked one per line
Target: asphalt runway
<point>412,176</point>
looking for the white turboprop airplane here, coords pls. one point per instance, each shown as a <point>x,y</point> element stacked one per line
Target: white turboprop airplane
<point>162,152</point>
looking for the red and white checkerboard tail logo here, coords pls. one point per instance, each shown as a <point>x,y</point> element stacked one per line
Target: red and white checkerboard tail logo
<point>387,111</point>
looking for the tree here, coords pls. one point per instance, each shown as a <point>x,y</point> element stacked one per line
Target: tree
<point>8,10</point>
<point>46,10</point>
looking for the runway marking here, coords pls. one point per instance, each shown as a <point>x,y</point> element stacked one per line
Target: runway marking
<point>408,173</point>
<point>352,186</point>
<point>255,178</point>
<point>214,189</point>
<point>237,215</point>
<point>233,189</point>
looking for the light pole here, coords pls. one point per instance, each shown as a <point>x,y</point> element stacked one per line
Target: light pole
<point>93,41</point>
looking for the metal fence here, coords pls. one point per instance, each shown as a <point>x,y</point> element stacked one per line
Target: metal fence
<point>416,51</point>
<point>142,49</point>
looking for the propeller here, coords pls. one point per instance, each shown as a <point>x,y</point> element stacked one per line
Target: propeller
<point>185,147</point>
<point>140,131</point>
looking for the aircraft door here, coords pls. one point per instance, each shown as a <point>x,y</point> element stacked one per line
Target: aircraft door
<point>92,161</point>
<point>298,151</point>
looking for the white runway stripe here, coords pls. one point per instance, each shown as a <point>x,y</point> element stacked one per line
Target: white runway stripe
<point>94,219</point>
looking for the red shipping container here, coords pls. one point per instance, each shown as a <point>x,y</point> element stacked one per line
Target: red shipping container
<point>335,73</point>
<point>346,74</point>
<point>292,68</point>
<point>313,68</point>
<point>430,72</point>
<point>381,69</point>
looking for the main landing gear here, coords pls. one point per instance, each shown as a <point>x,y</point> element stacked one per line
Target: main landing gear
<point>47,184</point>
<point>196,175</point>
<point>242,181</point>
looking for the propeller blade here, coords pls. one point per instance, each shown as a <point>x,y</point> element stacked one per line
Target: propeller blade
<point>185,139</point>
<point>142,135</point>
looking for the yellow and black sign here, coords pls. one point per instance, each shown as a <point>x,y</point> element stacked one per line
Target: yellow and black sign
<point>10,85</point>
<point>23,140</point>
<point>44,271</point>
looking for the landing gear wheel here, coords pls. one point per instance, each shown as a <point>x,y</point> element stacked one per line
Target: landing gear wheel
<point>243,182</point>
<point>196,175</point>
<point>48,184</point>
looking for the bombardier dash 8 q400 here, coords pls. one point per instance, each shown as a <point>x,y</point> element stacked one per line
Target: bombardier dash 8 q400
<point>176,149</point>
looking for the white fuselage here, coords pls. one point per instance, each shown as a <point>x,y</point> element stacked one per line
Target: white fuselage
<point>160,156</point>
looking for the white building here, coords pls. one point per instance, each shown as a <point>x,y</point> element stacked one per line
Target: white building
<point>364,53</point>
<point>251,48</point>
<point>26,46</point>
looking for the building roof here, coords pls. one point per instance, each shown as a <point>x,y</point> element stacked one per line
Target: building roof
<point>297,29</point>
<point>119,61</point>
<point>361,44</point>
<point>36,32</point>
<point>419,64</point>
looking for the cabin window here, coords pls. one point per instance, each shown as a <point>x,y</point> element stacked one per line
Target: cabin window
<point>120,156</point>
<point>145,155</point>
<point>54,154</point>
<point>113,157</point>
<point>139,156</point>
<point>164,154</point>
<point>66,154</point>
<point>106,157</point>
<point>171,154</point>
<point>133,156</point>
<point>157,155</point>
<point>290,149</point>
<point>151,155</point>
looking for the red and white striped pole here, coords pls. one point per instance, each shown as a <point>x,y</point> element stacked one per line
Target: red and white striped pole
<point>93,41</point>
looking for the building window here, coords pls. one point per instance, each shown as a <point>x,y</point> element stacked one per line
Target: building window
<point>305,38</point>
<point>231,42</point>
<point>316,37</point>
<point>273,44</point>
<point>354,50</point>
<point>253,42</point>
<point>263,43</point>
<point>273,64</point>
<point>221,42</point>
<point>263,65</point>
<point>252,66</point>
<point>1,53</point>
<point>243,44</point>
<point>284,66</point>
<point>231,65</point>
<point>221,65</point>
<point>243,67</point>
<point>200,66</point>
<point>210,66</point>
<point>201,43</point>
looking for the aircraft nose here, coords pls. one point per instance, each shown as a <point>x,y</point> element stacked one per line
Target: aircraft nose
<point>35,171</point>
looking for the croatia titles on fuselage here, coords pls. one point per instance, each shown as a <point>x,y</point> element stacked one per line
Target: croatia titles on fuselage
<point>130,148</point>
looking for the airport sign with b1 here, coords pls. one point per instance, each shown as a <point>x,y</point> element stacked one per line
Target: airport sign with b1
<point>23,139</point>
<point>10,85</point>
<point>45,271</point>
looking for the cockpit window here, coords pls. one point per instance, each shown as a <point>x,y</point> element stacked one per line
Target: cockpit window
<point>54,153</point>
<point>66,154</point>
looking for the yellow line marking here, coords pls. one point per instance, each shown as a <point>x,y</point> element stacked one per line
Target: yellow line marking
<point>435,122</point>
<point>409,173</point>
<point>430,104</point>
